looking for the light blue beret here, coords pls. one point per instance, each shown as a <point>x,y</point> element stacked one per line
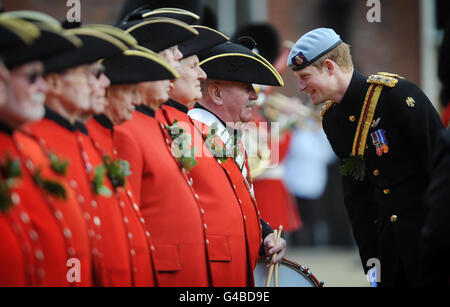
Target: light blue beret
<point>311,46</point>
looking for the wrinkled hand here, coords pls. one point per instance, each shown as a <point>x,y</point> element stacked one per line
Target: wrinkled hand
<point>270,248</point>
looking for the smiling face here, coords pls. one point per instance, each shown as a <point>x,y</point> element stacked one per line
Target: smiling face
<point>27,90</point>
<point>187,88</point>
<point>315,83</point>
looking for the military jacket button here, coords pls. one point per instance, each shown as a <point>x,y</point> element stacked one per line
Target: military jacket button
<point>352,118</point>
<point>394,218</point>
<point>386,191</point>
<point>376,172</point>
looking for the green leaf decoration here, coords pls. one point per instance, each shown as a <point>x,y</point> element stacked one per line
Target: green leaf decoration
<point>98,182</point>
<point>5,197</point>
<point>11,168</point>
<point>9,173</point>
<point>182,147</point>
<point>117,170</point>
<point>219,151</point>
<point>188,163</point>
<point>353,166</point>
<point>105,191</point>
<point>59,166</point>
<point>53,188</point>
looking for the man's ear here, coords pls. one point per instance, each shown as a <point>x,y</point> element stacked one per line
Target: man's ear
<point>330,67</point>
<point>215,93</point>
<point>4,73</point>
<point>54,84</point>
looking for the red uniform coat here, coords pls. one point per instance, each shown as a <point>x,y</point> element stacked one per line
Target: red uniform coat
<point>168,202</point>
<point>41,232</point>
<point>138,235</point>
<point>114,263</point>
<point>232,219</point>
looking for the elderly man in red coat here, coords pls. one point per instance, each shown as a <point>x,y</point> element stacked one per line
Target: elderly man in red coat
<point>226,104</point>
<point>43,230</point>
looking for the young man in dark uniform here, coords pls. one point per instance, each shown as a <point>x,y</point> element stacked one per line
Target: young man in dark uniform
<point>383,129</point>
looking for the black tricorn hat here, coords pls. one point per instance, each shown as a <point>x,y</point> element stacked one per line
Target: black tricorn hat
<point>206,38</point>
<point>17,33</point>
<point>53,40</point>
<point>96,45</point>
<point>234,62</point>
<point>158,34</point>
<point>134,66</point>
<point>167,12</point>
<point>115,32</point>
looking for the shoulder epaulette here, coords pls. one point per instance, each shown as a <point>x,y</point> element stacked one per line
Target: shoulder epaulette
<point>326,107</point>
<point>388,74</point>
<point>384,80</point>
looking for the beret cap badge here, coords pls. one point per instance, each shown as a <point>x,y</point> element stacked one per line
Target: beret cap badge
<point>299,59</point>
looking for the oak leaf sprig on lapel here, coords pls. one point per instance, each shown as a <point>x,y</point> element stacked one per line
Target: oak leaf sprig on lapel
<point>9,174</point>
<point>235,145</point>
<point>98,183</point>
<point>58,165</point>
<point>219,151</point>
<point>182,147</point>
<point>117,170</point>
<point>52,187</point>
<point>353,166</point>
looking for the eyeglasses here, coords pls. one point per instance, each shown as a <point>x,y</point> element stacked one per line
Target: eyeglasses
<point>97,71</point>
<point>34,76</point>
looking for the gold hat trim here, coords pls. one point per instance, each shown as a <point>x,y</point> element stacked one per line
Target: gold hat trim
<point>274,71</point>
<point>153,57</point>
<point>34,17</point>
<point>96,33</point>
<point>26,31</point>
<point>171,10</point>
<point>76,41</point>
<point>267,65</point>
<point>115,32</point>
<point>163,20</point>
<point>210,29</point>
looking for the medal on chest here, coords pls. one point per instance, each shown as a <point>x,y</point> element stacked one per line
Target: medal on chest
<point>380,142</point>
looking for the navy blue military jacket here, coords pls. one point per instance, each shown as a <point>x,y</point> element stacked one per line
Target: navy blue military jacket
<point>386,209</point>
<point>436,231</point>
